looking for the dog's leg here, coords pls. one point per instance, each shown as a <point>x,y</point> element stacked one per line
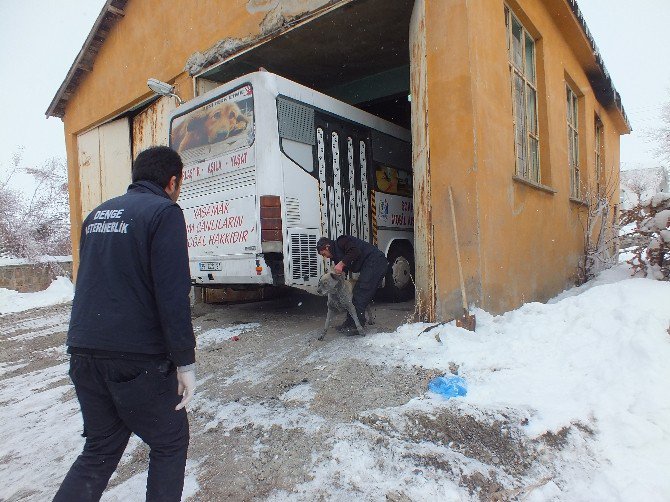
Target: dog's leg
<point>329,315</point>
<point>352,312</point>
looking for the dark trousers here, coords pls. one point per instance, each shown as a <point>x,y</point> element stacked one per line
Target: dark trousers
<point>118,397</point>
<point>372,272</point>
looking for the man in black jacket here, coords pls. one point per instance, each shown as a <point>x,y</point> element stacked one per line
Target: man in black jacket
<point>131,339</point>
<point>351,254</point>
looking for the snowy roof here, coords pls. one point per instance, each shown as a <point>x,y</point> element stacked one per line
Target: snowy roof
<point>603,87</point>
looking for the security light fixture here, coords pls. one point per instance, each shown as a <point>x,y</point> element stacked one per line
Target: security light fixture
<point>163,89</point>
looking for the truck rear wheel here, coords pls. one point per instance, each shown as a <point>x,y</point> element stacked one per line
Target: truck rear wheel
<point>399,283</point>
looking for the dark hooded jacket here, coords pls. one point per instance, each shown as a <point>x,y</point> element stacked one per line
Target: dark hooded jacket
<point>353,252</point>
<point>132,292</point>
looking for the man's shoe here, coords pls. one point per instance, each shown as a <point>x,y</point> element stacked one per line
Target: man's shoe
<point>347,329</point>
<point>360,313</point>
<point>346,325</point>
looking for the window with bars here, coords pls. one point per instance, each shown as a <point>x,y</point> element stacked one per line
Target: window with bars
<point>521,54</point>
<point>573,141</point>
<point>599,156</point>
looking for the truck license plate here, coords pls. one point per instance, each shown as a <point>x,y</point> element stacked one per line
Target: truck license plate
<point>209,266</point>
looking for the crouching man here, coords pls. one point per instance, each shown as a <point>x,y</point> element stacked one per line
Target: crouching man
<point>130,338</point>
<point>351,254</point>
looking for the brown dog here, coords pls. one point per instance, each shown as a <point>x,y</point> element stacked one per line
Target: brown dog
<point>209,126</point>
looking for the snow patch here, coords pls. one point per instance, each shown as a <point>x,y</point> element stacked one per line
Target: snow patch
<point>61,290</point>
<point>218,335</point>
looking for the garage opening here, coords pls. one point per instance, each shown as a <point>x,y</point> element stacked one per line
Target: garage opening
<point>357,53</point>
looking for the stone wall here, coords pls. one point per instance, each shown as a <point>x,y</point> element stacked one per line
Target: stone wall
<point>28,278</point>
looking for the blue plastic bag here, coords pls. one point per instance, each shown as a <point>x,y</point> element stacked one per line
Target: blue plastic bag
<point>448,386</point>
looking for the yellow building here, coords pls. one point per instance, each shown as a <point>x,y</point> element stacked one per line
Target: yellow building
<point>511,107</point>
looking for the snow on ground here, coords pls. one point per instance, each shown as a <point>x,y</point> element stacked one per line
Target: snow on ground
<point>61,290</point>
<point>9,260</point>
<point>218,335</point>
<point>599,357</point>
<point>134,489</point>
<point>40,432</point>
<point>596,357</point>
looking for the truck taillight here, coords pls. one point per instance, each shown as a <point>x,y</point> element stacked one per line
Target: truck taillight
<point>271,218</point>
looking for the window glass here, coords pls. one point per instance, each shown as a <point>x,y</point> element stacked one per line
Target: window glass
<point>529,68</point>
<point>524,97</point>
<point>216,127</point>
<point>534,159</point>
<point>531,106</point>
<point>517,43</point>
<point>520,122</point>
<point>573,141</point>
<point>507,25</point>
<point>599,147</point>
<point>298,152</point>
<point>393,181</point>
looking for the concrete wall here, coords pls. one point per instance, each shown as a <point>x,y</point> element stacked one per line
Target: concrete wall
<point>518,242</point>
<point>32,277</point>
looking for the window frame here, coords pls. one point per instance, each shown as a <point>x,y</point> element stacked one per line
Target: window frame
<point>572,122</point>
<point>523,74</point>
<point>599,153</point>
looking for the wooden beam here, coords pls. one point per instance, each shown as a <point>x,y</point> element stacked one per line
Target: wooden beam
<point>82,65</point>
<point>115,10</point>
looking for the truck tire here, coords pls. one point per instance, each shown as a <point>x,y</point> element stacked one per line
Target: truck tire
<point>399,283</point>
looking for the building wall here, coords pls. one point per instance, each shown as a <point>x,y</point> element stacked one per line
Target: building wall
<point>517,242</point>
<point>32,277</point>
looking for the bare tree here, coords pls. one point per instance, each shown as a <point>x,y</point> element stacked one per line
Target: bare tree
<point>10,201</point>
<point>651,249</point>
<point>637,187</point>
<point>601,230</point>
<point>38,224</point>
<point>662,135</point>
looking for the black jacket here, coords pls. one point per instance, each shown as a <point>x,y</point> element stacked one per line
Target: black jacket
<point>353,252</point>
<point>132,291</point>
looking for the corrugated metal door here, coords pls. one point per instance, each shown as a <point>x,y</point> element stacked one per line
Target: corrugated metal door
<point>150,127</point>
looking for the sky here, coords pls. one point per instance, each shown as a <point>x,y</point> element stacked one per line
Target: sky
<point>39,40</point>
<point>590,366</point>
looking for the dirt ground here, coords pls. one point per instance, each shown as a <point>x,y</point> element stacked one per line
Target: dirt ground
<point>280,415</point>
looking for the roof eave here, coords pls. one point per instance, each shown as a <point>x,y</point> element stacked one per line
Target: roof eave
<point>110,14</point>
<point>601,81</point>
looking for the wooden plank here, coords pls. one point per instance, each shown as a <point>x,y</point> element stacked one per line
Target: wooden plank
<point>88,147</point>
<point>115,162</point>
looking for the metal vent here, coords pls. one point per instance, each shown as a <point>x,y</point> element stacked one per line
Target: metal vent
<point>292,211</point>
<point>220,184</point>
<point>296,121</point>
<point>304,259</point>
